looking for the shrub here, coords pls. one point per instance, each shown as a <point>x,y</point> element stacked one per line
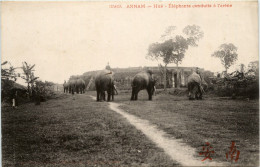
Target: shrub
<point>244,88</point>
<point>43,90</point>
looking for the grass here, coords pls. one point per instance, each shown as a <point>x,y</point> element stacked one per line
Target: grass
<point>80,132</point>
<point>214,120</point>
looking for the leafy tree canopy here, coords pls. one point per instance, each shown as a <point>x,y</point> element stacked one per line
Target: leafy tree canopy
<point>194,34</point>
<point>227,54</point>
<point>173,49</point>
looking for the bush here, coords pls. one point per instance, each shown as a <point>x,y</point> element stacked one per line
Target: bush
<point>247,89</point>
<point>43,91</point>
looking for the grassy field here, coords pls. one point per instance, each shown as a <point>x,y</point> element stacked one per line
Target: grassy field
<point>80,132</point>
<point>83,132</point>
<point>214,120</point>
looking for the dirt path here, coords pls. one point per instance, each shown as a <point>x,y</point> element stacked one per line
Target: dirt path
<point>175,148</point>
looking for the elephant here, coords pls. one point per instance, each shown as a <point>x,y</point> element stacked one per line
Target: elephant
<point>72,86</point>
<point>143,80</point>
<point>80,86</point>
<point>195,86</point>
<point>104,81</point>
<point>66,87</point>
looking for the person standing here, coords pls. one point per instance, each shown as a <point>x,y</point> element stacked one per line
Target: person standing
<point>14,99</point>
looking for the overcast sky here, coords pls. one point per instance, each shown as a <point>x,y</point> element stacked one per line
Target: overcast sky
<point>70,38</point>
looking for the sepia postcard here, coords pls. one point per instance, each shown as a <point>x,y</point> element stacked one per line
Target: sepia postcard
<point>129,83</point>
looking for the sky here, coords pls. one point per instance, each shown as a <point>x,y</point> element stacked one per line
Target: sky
<point>70,38</point>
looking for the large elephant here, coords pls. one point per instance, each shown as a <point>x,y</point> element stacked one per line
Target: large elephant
<point>196,86</point>
<point>66,87</point>
<point>143,80</point>
<point>80,86</point>
<point>72,86</point>
<point>104,81</point>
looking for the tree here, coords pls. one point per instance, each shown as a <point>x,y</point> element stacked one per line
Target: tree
<point>227,54</point>
<point>44,89</point>
<point>194,34</point>
<point>7,73</point>
<point>169,33</point>
<point>29,77</point>
<point>162,51</point>
<point>173,49</point>
<point>242,68</point>
<point>254,67</point>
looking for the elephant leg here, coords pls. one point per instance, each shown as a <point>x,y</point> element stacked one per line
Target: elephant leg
<point>136,95</point>
<point>189,90</point>
<point>196,96</point>
<point>104,95</point>
<point>101,98</point>
<point>192,91</point>
<point>133,94</point>
<point>112,94</point>
<point>150,97</point>
<point>83,89</point>
<point>98,94</point>
<point>195,92</point>
<point>150,94</point>
<point>199,93</point>
<point>108,96</point>
<point>192,95</point>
